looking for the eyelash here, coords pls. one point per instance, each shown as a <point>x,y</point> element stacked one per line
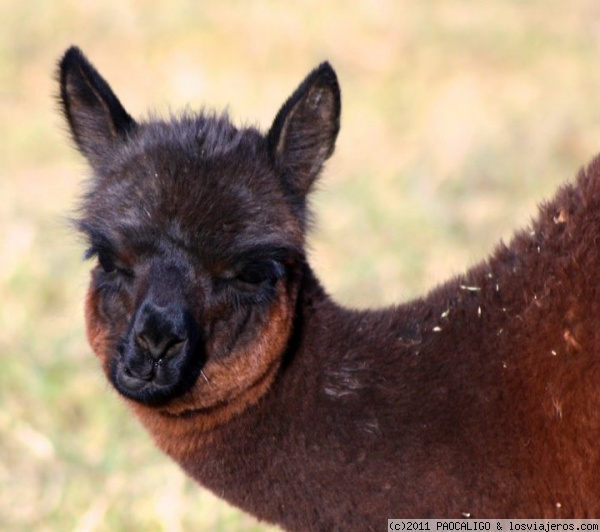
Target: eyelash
<point>256,273</point>
<point>106,263</point>
<point>109,265</point>
<point>255,282</point>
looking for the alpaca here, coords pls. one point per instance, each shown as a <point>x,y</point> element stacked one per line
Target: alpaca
<point>480,399</point>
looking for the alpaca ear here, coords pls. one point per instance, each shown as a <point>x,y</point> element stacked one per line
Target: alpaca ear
<point>96,117</point>
<point>304,131</point>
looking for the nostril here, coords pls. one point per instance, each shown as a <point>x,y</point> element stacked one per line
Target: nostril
<point>143,342</point>
<point>161,347</point>
<point>174,346</point>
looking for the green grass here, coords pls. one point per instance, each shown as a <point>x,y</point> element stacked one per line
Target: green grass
<point>458,118</point>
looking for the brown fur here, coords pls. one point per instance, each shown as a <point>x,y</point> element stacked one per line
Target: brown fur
<point>480,399</point>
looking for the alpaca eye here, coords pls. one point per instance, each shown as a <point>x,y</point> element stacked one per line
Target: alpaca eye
<point>106,263</point>
<point>255,274</point>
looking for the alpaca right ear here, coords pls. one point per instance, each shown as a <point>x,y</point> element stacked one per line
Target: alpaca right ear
<point>304,131</point>
<point>96,117</point>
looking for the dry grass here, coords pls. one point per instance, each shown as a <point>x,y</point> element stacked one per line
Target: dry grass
<point>458,118</point>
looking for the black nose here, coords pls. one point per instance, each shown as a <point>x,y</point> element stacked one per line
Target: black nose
<point>161,355</point>
<point>160,347</point>
<point>160,331</point>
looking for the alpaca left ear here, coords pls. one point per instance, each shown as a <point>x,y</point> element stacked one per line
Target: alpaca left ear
<point>304,131</point>
<point>96,117</point>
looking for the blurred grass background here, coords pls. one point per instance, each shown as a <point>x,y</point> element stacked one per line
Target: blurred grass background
<point>458,118</point>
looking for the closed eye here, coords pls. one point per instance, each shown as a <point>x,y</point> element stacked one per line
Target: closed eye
<point>254,272</point>
<point>109,265</point>
<point>260,272</point>
<point>253,278</point>
<point>252,275</point>
<point>108,262</point>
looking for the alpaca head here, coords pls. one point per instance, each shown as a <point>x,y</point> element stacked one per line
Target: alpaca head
<point>197,232</point>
